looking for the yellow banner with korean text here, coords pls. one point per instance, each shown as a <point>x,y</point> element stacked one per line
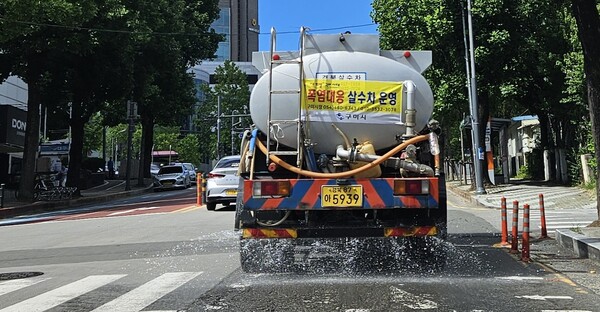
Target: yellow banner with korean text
<point>352,101</point>
<point>352,96</point>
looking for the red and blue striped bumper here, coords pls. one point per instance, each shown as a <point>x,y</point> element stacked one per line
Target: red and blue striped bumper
<point>305,194</point>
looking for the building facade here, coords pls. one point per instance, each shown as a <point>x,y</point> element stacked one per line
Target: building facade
<point>238,21</point>
<point>13,123</point>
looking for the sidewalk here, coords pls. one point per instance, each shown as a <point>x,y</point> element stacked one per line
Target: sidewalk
<point>109,190</point>
<point>585,243</point>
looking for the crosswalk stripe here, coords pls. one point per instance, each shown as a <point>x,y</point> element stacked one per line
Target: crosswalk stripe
<point>560,227</point>
<point>16,284</point>
<point>144,295</point>
<point>549,223</point>
<point>62,294</point>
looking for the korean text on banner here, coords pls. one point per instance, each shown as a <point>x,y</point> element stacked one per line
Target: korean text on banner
<point>353,101</point>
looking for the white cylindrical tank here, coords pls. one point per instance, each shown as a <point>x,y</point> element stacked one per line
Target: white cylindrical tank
<point>344,74</point>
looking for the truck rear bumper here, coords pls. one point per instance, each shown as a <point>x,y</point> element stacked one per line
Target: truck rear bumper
<point>413,231</point>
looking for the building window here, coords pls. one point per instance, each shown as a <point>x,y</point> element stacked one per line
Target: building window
<point>222,26</point>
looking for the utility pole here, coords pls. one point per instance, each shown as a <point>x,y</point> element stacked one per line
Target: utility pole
<point>218,127</point>
<point>477,153</point>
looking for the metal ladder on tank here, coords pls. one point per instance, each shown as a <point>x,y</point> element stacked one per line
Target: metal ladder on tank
<point>270,122</point>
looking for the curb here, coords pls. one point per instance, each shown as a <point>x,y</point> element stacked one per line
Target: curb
<point>39,207</point>
<point>466,195</point>
<point>582,246</point>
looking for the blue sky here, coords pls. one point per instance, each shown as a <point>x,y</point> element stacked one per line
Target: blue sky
<point>288,16</point>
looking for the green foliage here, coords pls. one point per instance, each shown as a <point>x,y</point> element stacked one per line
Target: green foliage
<point>590,186</point>
<point>188,149</point>
<point>230,96</point>
<point>528,61</point>
<point>524,173</point>
<point>187,146</point>
<point>93,130</point>
<point>165,138</point>
<point>96,54</point>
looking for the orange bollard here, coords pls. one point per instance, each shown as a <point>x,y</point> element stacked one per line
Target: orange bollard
<point>525,234</point>
<point>504,224</point>
<point>514,247</point>
<point>543,217</point>
<point>199,189</point>
<point>203,190</point>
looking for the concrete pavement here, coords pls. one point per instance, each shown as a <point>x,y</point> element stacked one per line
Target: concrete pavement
<point>584,241</point>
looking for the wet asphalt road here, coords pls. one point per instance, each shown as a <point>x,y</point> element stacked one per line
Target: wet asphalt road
<point>477,277</point>
<point>186,259</point>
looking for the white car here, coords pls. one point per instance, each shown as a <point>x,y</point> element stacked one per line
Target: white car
<point>191,170</point>
<point>222,182</point>
<point>154,169</point>
<point>170,177</point>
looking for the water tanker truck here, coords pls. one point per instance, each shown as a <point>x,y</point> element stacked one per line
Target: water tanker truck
<point>342,146</point>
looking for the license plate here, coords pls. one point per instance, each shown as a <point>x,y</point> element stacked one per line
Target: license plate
<point>167,183</point>
<point>231,192</point>
<point>341,196</point>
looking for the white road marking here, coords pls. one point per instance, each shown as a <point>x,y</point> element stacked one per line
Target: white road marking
<point>569,222</point>
<point>410,300</point>
<point>520,278</point>
<point>544,298</point>
<point>16,284</point>
<point>53,298</point>
<point>146,294</point>
<point>563,226</point>
<point>566,311</point>
<point>132,210</point>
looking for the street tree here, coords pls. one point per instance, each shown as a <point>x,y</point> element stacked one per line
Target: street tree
<point>588,24</point>
<point>518,46</point>
<point>28,45</point>
<point>173,36</point>
<point>229,96</point>
<point>95,65</point>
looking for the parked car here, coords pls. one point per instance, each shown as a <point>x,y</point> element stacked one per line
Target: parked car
<point>171,176</point>
<point>191,170</point>
<point>154,168</point>
<point>222,182</point>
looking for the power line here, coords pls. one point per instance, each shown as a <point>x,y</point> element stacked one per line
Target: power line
<point>322,29</point>
<point>156,33</point>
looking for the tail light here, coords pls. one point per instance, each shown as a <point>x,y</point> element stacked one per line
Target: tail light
<point>215,175</point>
<point>411,187</point>
<point>271,188</point>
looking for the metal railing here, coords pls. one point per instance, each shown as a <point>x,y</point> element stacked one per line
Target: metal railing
<point>458,170</point>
